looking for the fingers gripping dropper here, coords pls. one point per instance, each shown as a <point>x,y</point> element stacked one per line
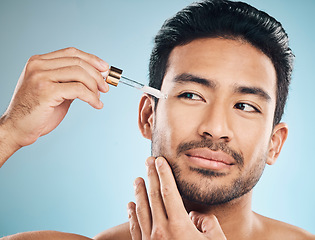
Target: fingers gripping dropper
<point>114,77</point>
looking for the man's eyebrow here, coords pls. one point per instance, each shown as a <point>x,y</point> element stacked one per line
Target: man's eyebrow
<point>253,90</point>
<point>186,78</point>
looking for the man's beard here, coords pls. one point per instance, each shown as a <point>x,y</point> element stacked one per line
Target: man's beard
<point>203,192</point>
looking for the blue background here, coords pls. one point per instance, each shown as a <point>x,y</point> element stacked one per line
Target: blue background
<point>79,177</point>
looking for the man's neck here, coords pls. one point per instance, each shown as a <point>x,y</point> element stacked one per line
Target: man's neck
<point>235,217</point>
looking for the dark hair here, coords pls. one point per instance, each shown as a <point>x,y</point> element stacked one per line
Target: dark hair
<point>230,20</point>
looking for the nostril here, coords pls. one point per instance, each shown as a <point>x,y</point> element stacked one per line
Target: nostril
<point>225,137</point>
<point>206,134</point>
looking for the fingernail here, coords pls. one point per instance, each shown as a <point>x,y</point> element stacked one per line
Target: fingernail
<point>159,162</point>
<point>105,74</point>
<point>100,104</point>
<point>104,64</point>
<point>106,87</point>
<point>102,87</point>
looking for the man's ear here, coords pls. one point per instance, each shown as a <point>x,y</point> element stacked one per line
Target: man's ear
<point>145,118</point>
<point>279,135</point>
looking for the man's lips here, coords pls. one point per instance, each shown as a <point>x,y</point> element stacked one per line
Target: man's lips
<point>206,158</point>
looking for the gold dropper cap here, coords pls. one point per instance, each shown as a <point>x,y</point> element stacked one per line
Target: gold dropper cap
<point>114,76</point>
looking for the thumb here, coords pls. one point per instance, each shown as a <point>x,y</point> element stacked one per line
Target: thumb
<point>208,225</point>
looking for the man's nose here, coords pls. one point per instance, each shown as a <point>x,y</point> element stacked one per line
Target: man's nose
<point>216,123</point>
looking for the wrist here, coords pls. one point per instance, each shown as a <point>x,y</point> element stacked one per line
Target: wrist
<point>7,144</point>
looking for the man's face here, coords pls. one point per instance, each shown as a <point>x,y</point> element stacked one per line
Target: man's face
<point>216,125</point>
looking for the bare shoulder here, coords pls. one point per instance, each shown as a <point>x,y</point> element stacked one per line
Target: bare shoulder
<point>120,232</point>
<point>281,230</point>
<point>47,235</point>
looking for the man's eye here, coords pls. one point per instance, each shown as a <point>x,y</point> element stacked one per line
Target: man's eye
<point>189,95</point>
<point>246,107</point>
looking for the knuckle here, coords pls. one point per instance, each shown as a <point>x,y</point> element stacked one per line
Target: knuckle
<point>35,76</point>
<point>71,50</point>
<point>77,61</point>
<point>166,191</point>
<point>158,233</point>
<point>42,86</point>
<point>153,194</point>
<point>94,58</point>
<point>74,68</point>
<point>139,209</point>
<point>138,190</point>
<point>176,226</point>
<point>33,63</point>
<point>132,226</point>
<point>89,95</point>
<point>86,95</point>
<point>79,88</point>
<point>38,83</point>
<point>151,172</point>
<point>34,57</point>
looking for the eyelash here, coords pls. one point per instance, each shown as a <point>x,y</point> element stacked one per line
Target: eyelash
<point>189,95</point>
<point>185,95</point>
<point>256,110</point>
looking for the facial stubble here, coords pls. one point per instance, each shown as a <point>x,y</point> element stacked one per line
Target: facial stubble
<point>205,191</point>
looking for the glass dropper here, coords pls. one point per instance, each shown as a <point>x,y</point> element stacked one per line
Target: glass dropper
<point>114,77</point>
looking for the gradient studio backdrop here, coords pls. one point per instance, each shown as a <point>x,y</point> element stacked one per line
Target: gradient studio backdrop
<point>79,177</point>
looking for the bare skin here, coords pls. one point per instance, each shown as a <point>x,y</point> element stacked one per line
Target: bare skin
<point>160,212</point>
<point>47,235</point>
<point>45,90</point>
